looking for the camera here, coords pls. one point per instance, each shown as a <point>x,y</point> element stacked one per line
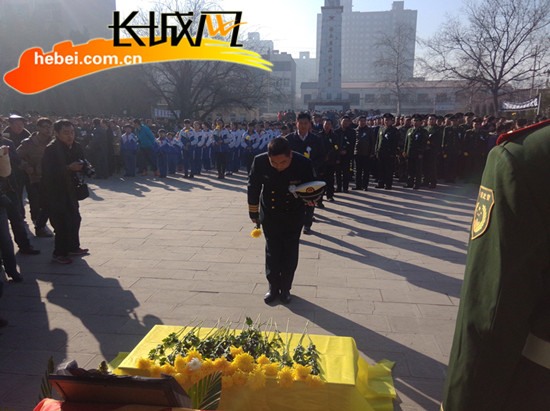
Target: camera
<point>87,169</point>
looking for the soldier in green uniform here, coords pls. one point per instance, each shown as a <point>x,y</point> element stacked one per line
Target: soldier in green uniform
<point>500,358</point>
<point>433,149</point>
<point>475,152</point>
<point>450,147</point>
<point>415,146</point>
<point>386,149</point>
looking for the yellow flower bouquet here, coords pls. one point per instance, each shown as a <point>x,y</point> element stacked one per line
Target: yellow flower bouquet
<point>248,358</point>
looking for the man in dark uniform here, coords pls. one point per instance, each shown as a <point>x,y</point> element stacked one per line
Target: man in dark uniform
<point>451,148</point>
<point>402,161</point>
<point>346,136</point>
<point>331,149</point>
<point>500,358</point>
<point>475,152</point>
<point>386,147</point>
<point>415,146</point>
<point>280,213</point>
<point>304,142</point>
<point>364,154</point>
<point>433,148</point>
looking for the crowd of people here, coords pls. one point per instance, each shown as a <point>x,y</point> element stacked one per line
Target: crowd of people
<point>345,149</point>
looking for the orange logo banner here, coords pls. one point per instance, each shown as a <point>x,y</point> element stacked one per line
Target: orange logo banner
<point>39,71</point>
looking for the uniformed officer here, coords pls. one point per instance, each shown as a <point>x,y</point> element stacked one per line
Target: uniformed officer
<point>310,145</point>
<point>415,146</point>
<point>451,148</point>
<point>364,154</point>
<point>500,358</point>
<point>280,213</point>
<point>475,152</point>
<point>346,136</point>
<point>386,146</point>
<point>433,149</point>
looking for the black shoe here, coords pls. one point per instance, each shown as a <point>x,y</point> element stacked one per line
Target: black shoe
<point>3,322</point>
<point>388,188</point>
<point>346,190</point>
<point>30,250</point>
<point>365,189</point>
<point>432,186</point>
<point>15,277</point>
<point>408,186</point>
<point>330,199</point>
<point>43,232</point>
<point>285,297</point>
<point>379,186</point>
<point>356,188</point>
<point>416,187</point>
<point>320,205</point>
<point>307,230</point>
<point>271,296</point>
<point>338,190</point>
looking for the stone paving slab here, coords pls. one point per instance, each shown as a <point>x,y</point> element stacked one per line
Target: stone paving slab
<point>384,267</point>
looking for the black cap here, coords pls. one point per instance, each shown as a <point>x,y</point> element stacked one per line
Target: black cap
<point>388,115</point>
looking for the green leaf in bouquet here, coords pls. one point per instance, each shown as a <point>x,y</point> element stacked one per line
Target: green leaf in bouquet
<point>206,393</point>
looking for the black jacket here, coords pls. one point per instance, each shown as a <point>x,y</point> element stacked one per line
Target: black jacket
<point>58,183</point>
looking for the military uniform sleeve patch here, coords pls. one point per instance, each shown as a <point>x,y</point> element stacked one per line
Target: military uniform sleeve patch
<point>482,214</point>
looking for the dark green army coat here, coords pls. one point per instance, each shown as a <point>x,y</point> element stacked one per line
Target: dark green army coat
<point>415,142</point>
<point>506,290</point>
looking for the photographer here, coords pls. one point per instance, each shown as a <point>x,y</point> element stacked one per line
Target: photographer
<point>62,163</point>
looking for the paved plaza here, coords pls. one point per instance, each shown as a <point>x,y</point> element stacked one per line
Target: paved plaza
<point>384,267</point>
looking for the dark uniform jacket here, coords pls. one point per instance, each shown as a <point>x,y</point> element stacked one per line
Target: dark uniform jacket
<point>268,188</point>
<point>506,291</point>
<point>415,142</point>
<point>365,142</point>
<point>330,146</point>
<point>388,139</point>
<point>58,183</point>
<point>435,138</point>
<point>346,139</point>
<point>451,142</point>
<point>311,147</point>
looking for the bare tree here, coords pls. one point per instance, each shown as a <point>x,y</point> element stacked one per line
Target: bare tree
<point>197,89</point>
<point>395,60</point>
<point>502,44</point>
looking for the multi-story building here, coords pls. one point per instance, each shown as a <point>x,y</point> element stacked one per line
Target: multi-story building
<point>364,35</point>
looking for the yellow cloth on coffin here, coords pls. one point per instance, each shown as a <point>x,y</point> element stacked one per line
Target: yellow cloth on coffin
<point>351,383</point>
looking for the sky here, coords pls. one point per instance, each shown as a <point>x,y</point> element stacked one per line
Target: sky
<point>292,24</point>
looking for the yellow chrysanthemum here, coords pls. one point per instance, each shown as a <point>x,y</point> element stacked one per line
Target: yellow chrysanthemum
<point>180,364</point>
<point>231,369</point>
<point>227,382</point>
<point>465,154</point>
<point>285,377</point>
<point>144,363</point>
<point>314,381</point>
<point>155,371</point>
<point>207,367</point>
<point>256,379</point>
<point>301,372</point>
<point>271,370</point>
<point>235,351</point>
<point>167,369</point>
<point>221,364</point>
<point>262,360</point>
<point>240,378</point>
<point>256,233</point>
<point>306,155</point>
<point>244,362</point>
<point>182,379</point>
<point>193,354</point>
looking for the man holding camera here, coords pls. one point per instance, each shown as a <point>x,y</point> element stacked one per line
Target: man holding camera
<point>63,158</point>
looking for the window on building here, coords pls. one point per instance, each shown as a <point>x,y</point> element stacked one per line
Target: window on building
<point>354,98</point>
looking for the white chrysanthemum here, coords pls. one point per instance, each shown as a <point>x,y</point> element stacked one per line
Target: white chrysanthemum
<point>194,364</point>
